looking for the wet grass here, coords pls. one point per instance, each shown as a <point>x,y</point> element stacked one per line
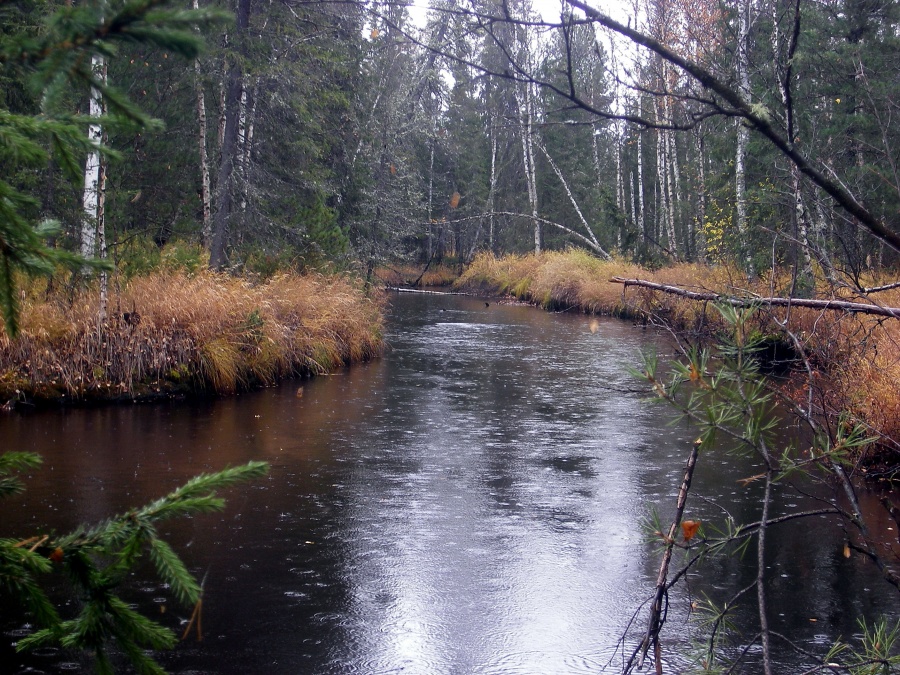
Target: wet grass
<point>854,358</point>
<point>443,274</point>
<point>181,333</point>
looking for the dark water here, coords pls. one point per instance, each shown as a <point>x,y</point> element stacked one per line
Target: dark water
<point>470,503</point>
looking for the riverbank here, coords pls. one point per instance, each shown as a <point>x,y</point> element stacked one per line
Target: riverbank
<point>176,333</point>
<point>854,358</point>
<point>433,275</point>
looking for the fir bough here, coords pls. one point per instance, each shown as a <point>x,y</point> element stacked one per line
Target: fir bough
<point>98,559</point>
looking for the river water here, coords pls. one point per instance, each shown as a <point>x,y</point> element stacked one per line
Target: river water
<point>470,503</point>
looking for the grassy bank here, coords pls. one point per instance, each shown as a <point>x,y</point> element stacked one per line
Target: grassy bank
<point>440,274</point>
<point>178,333</point>
<point>855,358</point>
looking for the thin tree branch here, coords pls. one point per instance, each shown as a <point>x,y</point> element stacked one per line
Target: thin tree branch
<point>757,117</point>
<point>835,305</point>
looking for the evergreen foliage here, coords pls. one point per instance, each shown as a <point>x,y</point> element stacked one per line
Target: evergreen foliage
<point>47,54</point>
<point>98,559</point>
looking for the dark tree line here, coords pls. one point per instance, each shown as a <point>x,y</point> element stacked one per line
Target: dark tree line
<point>344,132</point>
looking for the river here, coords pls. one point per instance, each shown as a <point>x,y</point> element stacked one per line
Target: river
<point>470,503</point>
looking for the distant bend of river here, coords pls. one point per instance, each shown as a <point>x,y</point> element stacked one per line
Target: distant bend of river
<point>470,503</point>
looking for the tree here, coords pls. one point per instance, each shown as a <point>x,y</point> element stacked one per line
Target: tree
<point>46,62</point>
<point>97,560</point>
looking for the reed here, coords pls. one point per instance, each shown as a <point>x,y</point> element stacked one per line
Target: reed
<point>854,358</point>
<point>176,332</point>
<point>442,274</point>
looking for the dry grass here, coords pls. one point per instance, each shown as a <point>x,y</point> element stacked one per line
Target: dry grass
<point>855,357</point>
<point>194,333</point>
<point>412,275</point>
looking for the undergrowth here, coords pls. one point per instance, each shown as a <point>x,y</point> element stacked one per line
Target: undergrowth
<point>847,362</point>
<point>176,332</point>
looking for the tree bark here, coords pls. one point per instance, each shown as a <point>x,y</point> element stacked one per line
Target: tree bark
<point>231,149</point>
<point>565,184</point>
<point>836,305</point>
<point>92,187</point>
<point>205,196</point>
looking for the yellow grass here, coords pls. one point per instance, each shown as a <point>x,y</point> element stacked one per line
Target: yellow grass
<point>409,275</point>
<point>856,357</point>
<point>203,332</point>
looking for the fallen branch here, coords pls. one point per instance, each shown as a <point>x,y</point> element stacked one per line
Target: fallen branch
<point>838,305</point>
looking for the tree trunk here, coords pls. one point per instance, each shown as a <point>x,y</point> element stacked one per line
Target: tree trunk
<point>205,196</point>
<point>225,179</point>
<point>743,133</point>
<point>92,183</point>
<point>698,239</point>
<point>231,149</point>
<point>641,221</point>
<point>102,314</point>
<point>493,188</point>
<point>430,201</point>
<point>590,233</point>
<point>526,131</point>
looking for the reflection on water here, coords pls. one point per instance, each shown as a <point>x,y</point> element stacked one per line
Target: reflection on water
<point>471,503</point>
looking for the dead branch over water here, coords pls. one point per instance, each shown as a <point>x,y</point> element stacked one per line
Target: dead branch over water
<point>837,305</point>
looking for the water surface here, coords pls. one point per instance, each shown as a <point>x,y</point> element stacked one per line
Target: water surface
<point>470,503</point>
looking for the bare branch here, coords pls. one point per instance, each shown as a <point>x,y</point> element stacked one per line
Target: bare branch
<point>836,305</point>
<point>758,118</point>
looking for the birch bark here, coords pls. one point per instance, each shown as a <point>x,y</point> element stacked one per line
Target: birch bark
<point>92,184</point>
<point>743,133</point>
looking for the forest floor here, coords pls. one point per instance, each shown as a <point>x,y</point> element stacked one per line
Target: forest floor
<point>847,364</point>
<point>173,333</point>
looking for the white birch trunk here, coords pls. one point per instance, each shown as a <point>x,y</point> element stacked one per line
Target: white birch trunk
<point>526,131</point>
<point>430,201</point>
<point>698,235</point>
<point>220,131</point>
<point>205,192</point>
<point>743,137</point>
<point>493,188</point>
<point>802,221</point>
<point>243,127</point>
<point>670,191</point>
<point>662,212</point>
<point>92,186</point>
<point>641,223</point>
<point>574,202</point>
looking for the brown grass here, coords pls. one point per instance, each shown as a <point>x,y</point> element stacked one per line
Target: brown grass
<point>195,333</point>
<point>413,275</point>
<point>855,357</point>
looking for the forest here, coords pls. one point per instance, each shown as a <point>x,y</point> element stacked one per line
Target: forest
<point>360,134</point>
<point>183,187</point>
